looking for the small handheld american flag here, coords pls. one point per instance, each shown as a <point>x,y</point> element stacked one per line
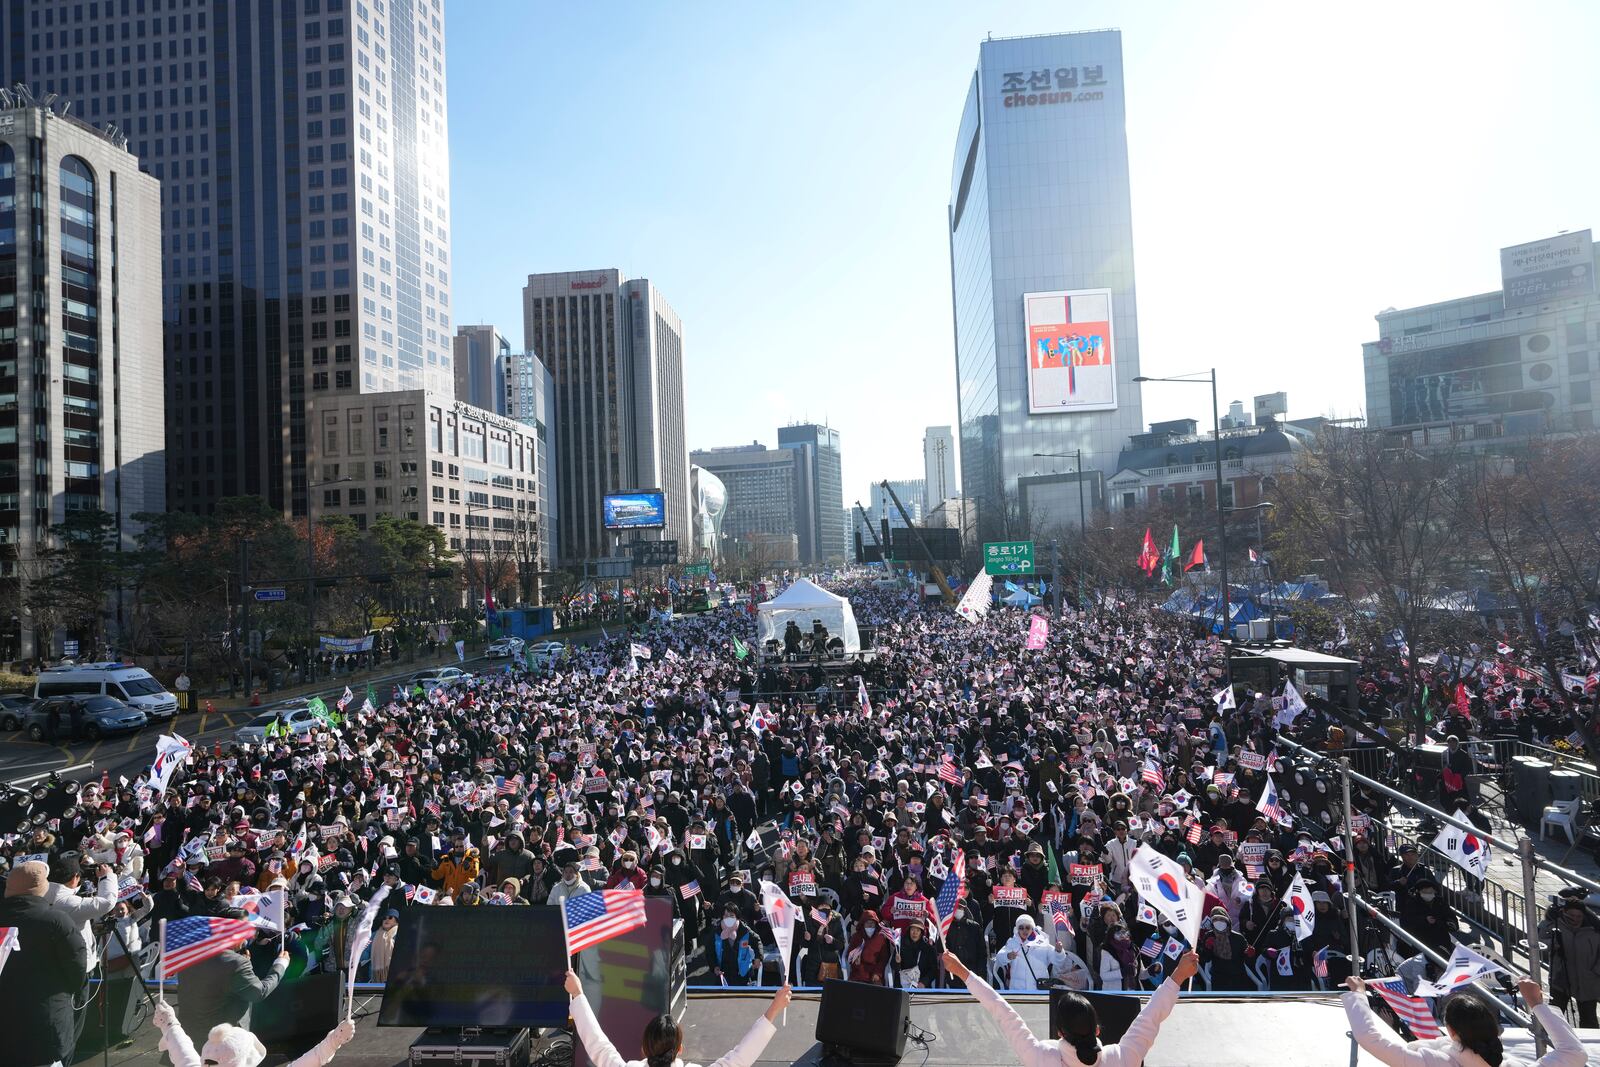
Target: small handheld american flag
<point>1413,1011</point>
<point>8,942</point>
<point>949,772</point>
<point>186,942</point>
<point>950,893</point>
<point>592,918</point>
<point>1153,776</point>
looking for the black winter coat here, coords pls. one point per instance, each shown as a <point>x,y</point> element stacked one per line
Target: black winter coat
<point>38,982</point>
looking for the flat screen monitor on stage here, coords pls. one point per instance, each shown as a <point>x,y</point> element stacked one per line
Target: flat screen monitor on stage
<point>488,967</point>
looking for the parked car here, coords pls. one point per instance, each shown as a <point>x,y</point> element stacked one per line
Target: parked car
<point>88,717</point>
<point>438,676</point>
<point>123,681</point>
<point>13,707</point>
<point>546,653</point>
<point>295,716</point>
<point>505,648</point>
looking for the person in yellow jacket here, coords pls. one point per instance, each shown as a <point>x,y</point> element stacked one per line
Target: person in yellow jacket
<point>457,869</point>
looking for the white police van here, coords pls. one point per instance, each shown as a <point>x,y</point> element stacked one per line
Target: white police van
<point>127,683</point>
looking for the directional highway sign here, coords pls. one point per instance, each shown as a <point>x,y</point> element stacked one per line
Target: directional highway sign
<point>1008,557</point>
<point>276,593</point>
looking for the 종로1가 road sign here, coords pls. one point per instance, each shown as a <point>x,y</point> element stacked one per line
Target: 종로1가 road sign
<point>271,594</point>
<point>1008,557</point>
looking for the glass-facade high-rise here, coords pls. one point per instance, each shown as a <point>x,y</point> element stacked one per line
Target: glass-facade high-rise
<point>302,151</point>
<point>1039,207</point>
<point>823,497</point>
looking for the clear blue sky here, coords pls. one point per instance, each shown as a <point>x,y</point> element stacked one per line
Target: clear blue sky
<point>782,173</point>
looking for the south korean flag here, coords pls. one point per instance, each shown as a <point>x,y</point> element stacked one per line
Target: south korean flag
<point>1465,848</point>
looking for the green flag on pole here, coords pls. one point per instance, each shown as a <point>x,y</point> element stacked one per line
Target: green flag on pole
<point>739,649</point>
<point>1053,866</point>
<point>320,710</point>
<point>372,698</point>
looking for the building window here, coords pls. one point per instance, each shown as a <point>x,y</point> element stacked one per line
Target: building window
<point>1227,494</point>
<point>1580,392</point>
<point>1576,333</point>
<point>1578,364</point>
<point>1197,496</point>
<point>330,498</point>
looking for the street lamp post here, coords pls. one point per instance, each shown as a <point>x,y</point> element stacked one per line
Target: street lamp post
<point>1222,523</point>
<point>311,579</point>
<point>1077,455</point>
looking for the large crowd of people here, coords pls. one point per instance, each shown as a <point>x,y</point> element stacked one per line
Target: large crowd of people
<point>694,773</point>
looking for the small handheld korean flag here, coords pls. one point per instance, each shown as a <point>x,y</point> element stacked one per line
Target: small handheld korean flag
<point>1224,699</point>
<point>1465,966</point>
<point>1467,850</point>
<point>1303,915</point>
<point>1161,883</point>
<point>1293,705</point>
<point>781,913</point>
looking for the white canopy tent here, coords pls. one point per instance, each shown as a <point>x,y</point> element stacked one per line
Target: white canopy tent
<point>802,602</point>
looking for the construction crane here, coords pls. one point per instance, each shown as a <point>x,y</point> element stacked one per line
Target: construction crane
<point>938,575</point>
<point>883,551</point>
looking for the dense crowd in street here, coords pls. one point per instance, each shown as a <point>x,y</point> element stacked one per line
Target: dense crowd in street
<point>694,774</point>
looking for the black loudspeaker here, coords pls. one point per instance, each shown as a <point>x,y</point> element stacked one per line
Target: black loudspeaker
<point>1116,1012</point>
<point>297,1015</point>
<point>862,1021</point>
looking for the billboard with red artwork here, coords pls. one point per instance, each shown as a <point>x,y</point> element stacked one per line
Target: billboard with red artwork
<point>1071,363</point>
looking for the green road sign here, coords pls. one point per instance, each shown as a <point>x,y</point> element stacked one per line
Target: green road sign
<point>1008,557</point>
<point>697,570</point>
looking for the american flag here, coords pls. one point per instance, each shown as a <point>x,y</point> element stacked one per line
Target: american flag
<point>1152,775</point>
<point>1319,962</point>
<point>600,916</point>
<point>689,889</point>
<point>1193,834</point>
<point>185,942</point>
<point>1151,947</point>
<point>950,893</point>
<point>1413,1011</point>
<point>949,772</point>
<point>1061,914</point>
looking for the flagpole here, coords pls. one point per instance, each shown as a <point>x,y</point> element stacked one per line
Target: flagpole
<point>161,958</point>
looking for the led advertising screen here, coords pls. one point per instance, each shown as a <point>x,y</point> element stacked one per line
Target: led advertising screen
<point>1071,362</point>
<point>643,509</point>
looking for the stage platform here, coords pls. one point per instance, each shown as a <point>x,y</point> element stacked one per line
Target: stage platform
<point>1201,1032</point>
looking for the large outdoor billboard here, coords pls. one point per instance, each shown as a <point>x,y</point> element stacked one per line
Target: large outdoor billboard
<point>1556,268</point>
<point>642,509</point>
<point>1071,353</point>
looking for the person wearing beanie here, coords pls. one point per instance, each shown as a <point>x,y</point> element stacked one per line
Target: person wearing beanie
<point>38,983</point>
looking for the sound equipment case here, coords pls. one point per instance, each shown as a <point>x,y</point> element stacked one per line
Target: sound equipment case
<point>471,1048</point>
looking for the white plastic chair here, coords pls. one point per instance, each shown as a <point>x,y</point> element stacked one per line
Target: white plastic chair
<point>1564,814</point>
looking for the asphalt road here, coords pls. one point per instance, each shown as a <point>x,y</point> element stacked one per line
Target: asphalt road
<point>130,754</point>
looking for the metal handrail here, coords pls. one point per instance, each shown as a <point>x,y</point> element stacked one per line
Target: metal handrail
<point>1398,931</point>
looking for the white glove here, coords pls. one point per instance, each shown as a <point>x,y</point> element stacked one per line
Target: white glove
<point>343,1033</point>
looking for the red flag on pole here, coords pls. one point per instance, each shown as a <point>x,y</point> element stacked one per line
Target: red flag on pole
<point>1197,558</point>
<point>1149,558</point>
<point>1463,700</point>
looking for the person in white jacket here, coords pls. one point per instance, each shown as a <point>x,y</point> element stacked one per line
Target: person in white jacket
<point>1472,1033</point>
<point>1032,961</point>
<point>1076,1023</point>
<point>234,1046</point>
<point>66,874</point>
<point>663,1037</point>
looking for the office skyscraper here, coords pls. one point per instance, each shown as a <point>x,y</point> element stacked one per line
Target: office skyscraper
<point>302,149</point>
<point>480,367</point>
<point>938,467</point>
<point>615,353</point>
<point>81,419</point>
<point>1041,275</point>
<point>765,490</point>
<point>823,507</point>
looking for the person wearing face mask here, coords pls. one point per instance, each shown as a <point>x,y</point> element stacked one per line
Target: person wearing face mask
<point>457,869</point>
<point>1224,948</point>
<point>740,898</point>
<point>915,961</point>
<point>732,949</point>
<point>822,936</point>
<point>1426,916</point>
<point>570,885</point>
<point>1033,963</point>
<point>869,951</point>
<point>656,886</point>
<point>626,874</point>
<point>1111,947</point>
<point>1228,886</point>
<point>1574,939</point>
<point>906,905</point>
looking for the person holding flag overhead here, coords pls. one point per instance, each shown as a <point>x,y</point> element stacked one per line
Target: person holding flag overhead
<point>1075,1023</point>
<point>221,986</point>
<point>1472,1032</point>
<point>662,1042</point>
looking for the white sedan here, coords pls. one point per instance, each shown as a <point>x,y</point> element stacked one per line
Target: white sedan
<point>292,722</point>
<point>505,648</point>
